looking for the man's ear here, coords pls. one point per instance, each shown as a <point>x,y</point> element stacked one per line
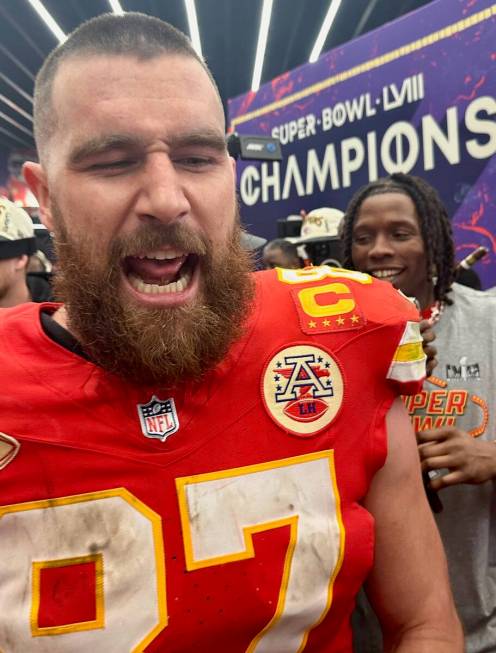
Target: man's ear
<point>21,262</point>
<point>233,165</point>
<point>35,177</point>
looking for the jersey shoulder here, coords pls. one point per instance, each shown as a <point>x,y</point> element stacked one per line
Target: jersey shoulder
<point>11,316</point>
<point>22,337</point>
<point>336,291</point>
<point>340,307</point>
<point>24,316</point>
<point>14,322</point>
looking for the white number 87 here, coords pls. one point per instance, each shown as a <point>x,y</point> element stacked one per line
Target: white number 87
<point>219,512</point>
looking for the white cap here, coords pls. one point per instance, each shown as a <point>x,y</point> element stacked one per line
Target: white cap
<point>319,224</point>
<point>16,231</point>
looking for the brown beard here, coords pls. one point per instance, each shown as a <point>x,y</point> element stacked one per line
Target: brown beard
<point>153,345</point>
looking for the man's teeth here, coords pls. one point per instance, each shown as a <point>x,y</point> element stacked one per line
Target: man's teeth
<point>156,289</point>
<point>162,256</point>
<point>384,274</point>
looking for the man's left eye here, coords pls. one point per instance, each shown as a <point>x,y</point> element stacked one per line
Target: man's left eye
<point>194,161</point>
<point>112,165</point>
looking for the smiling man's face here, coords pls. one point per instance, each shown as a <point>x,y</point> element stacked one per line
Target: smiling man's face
<point>140,191</point>
<point>387,243</point>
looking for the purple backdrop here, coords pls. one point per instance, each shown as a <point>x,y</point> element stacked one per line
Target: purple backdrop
<point>416,96</point>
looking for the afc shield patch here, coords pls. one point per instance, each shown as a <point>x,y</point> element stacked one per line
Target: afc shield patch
<point>158,418</point>
<point>302,389</point>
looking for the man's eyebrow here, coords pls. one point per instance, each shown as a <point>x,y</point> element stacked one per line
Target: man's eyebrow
<point>101,144</point>
<point>403,221</point>
<point>393,221</point>
<point>205,138</point>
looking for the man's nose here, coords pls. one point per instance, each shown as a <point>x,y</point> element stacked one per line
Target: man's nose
<point>162,194</point>
<point>381,247</point>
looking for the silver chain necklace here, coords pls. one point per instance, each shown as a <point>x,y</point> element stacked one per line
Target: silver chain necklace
<point>436,311</point>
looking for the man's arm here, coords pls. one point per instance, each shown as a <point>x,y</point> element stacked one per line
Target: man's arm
<point>468,459</point>
<point>409,586</point>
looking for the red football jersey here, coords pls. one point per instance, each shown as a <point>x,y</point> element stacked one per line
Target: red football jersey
<point>222,516</point>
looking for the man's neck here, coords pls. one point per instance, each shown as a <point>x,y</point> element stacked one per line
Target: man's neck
<point>60,316</point>
<point>62,319</point>
<point>17,294</point>
<point>427,299</point>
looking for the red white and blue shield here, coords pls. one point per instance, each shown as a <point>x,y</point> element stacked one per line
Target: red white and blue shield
<point>158,418</point>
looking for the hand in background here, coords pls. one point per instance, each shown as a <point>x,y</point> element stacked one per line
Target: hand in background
<point>468,459</point>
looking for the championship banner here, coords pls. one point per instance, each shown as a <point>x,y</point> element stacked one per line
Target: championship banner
<point>416,96</point>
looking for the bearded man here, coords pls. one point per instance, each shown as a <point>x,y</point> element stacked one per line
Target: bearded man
<point>191,455</point>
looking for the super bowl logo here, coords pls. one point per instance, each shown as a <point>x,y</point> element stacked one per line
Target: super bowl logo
<point>302,388</point>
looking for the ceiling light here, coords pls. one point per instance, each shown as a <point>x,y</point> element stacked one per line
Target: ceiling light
<point>194,32</point>
<point>16,62</point>
<point>48,19</point>
<point>15,123</point>
<point>14,137</point>
<point>17,88</point>
<point>324,30</point>
<point>116,7</point>
<point>261,45</point>
<point>15,107</point>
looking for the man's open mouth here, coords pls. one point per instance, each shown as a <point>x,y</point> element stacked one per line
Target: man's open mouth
<point>160,272</point>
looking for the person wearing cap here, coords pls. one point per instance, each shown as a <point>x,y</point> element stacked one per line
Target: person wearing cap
<point>319,240</point>
<point>17,244</point>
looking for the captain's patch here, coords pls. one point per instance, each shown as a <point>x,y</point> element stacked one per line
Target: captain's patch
<point>302,389</point>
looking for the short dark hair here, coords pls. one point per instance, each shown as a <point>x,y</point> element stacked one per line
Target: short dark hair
<point>134,34</point>
<point>288,249</point>
<point>280,243</point>
<point>435,226</point>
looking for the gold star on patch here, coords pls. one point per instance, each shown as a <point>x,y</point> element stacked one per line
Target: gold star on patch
<point>355,319</point>
<point>340,321</point>
<point>326,323</point>
<point>312,325</point>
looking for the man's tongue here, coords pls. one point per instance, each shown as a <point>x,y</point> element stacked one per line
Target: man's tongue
<point>155,271</point>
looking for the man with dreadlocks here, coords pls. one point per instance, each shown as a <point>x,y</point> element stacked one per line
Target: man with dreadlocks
<point>398,230</point>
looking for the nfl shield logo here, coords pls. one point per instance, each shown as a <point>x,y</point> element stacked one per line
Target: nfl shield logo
<point>158,418</point>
